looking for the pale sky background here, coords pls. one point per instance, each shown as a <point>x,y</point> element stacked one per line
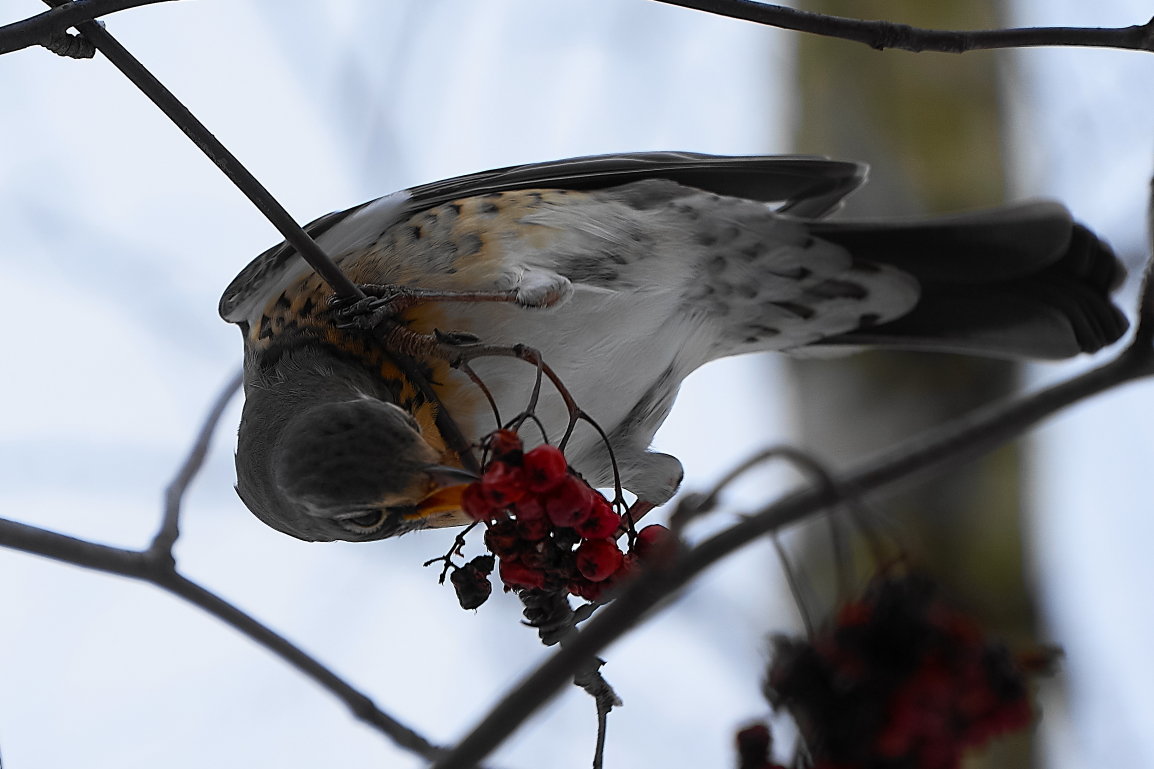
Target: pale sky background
<point>120,236</point>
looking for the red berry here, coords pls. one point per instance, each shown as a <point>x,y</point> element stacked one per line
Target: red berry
<point>583,588</point>
<point>502,484</point>
<point>545,468</point>
<point>602,522</point>
<point>533,529</point>
<point>477,505</point>
<point>598,559</point>
<point>504,445</point>
<point>529,508</point>
<point>570,503</point>
<point>854,613</point>
<point>517,575</point>
<point>628,564</point>
<point>503,538</point>
<point>539,555</point>
<point>753,745</point>
<point>1013,715</point>
<point>648,540</point>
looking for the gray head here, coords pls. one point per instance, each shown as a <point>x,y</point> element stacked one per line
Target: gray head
<point>323,453</point>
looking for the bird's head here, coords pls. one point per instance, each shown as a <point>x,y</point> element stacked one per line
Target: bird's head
<point>323,455</point>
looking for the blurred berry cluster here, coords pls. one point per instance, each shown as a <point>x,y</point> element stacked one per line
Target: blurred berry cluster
<point>548,529</point>
<point>755,748</point>
<point>900,680</point>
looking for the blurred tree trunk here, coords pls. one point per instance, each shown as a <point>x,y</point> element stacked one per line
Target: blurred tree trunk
<point>930,126</point>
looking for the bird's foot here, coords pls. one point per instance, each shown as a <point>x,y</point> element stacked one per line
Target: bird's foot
<point>383,303</point>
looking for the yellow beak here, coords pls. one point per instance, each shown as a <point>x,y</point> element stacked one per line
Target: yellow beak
<point>443,500</point>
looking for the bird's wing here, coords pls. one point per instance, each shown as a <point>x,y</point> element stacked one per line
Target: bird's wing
<point>800,185</point>
<point>803,185</point>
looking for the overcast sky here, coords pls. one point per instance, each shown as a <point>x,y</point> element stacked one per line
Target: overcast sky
<point>119,238</point>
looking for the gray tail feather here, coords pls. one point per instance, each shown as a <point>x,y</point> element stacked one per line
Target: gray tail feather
<point>1019,281</point>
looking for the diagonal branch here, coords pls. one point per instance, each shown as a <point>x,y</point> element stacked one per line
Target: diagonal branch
<point>153,569</point>
<point>218,154</point>
<point>359,703</point>
<point>884,34</point>
<point>955,443</point>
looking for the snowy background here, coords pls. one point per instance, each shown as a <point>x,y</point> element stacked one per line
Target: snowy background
<point>120,236</point>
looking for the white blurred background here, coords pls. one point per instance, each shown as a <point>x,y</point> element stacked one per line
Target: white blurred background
<point>119,237</point>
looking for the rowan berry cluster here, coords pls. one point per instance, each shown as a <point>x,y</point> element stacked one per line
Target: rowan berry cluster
<point>900,680</point>
<point>547,527</point>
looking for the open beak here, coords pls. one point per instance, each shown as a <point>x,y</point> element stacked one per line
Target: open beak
<point>450,484</point>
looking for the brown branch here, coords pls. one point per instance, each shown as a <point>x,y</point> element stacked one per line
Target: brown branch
<point>884,34</point>
<point>44,27</point>
<point>950,445</point>
<point>154,568</point>
<point>218,154</point>
<point>359,703</point>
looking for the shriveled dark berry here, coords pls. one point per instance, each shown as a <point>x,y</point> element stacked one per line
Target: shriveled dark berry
<point>471,583</point>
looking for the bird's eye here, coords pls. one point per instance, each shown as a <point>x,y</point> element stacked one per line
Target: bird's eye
<point>367,522</point>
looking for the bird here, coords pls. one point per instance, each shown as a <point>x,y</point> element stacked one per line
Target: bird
<point>625,273</point>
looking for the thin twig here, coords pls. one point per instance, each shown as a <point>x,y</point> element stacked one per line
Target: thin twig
<point>218,154</point>
<point>38,29</point>
<point>602,732</point>
<point>170,526</point>
<point>794,584</point>
<point>884,34</point>
<point>953,444</point>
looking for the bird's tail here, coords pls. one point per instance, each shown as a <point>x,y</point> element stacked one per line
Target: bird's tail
<point>1018,281</point>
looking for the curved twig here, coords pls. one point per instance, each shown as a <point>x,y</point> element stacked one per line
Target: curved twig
<point>169,529</point>
<point>884,34</point>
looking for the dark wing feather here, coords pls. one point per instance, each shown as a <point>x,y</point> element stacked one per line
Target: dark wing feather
<point>801,185</point>
<point>1019,281</point>
<point>807,186</point>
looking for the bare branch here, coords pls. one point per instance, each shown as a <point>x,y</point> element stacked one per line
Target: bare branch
<point>157,570</point>
<point>51,25</point>
<point>218,154</point>
<point>173,496</point>
<point>157,566</point>
<point>883,34</point>
<point>953,444</point>
<point>359,703</point>
<point>61,547</point>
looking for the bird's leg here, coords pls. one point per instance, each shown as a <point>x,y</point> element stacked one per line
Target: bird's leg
<point>379,312</point>
<point>385,302</point>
